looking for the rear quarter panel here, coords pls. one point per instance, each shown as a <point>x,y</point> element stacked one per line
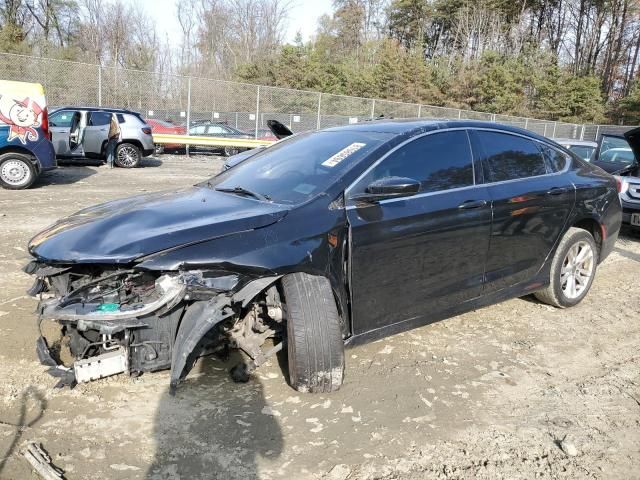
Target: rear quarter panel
<point>597,199</point>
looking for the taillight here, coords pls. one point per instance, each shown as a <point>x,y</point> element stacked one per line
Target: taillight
<point>146,130</point>
<point>44,124</point>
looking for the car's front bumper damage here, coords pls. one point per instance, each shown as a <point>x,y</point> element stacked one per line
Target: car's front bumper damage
<point>113,320</point>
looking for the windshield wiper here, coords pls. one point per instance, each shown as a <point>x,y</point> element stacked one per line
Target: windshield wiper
<point>243,191</point>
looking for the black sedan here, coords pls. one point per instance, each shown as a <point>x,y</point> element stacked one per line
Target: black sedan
<point>327,239</point>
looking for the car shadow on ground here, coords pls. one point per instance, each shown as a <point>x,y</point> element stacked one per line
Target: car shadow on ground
<point>214,425</point>
<point>63,176</point>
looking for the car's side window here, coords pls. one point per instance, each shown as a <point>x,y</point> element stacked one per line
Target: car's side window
<point>555,159</point>
<point>61,119</point>
<point>509,157</point>
<point>98,119</point>
<point>198,130</point>
<point>440,161</point>
<point>216,130</point>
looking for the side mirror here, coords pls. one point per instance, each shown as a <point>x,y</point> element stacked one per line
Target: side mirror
<point>388,187</point>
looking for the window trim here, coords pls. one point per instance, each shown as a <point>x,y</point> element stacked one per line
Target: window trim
<point>347,191</point>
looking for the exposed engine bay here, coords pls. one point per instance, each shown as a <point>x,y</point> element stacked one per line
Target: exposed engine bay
<point>117,320</point>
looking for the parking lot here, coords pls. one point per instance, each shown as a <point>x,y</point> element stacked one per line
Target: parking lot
<point>516,390</point>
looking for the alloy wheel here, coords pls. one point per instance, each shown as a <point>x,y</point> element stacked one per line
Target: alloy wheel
<point>127,156</point>
<point>577,269</point>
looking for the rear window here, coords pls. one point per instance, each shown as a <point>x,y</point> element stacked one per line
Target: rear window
<point>509,157</point>
<point>615,150</point>
<point>583,151</point>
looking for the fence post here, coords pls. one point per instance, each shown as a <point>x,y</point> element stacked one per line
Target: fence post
<point>99,85</point>
<point>419,110</point>
<point>493,117</point>
<point>526,123</point>
<point>597,132</point>
<point>257,111</point>
<point>555,124</point>
<point>544,134</point>
<point>459,114</point>
<point>188,110</point>
<point>373,108</point>
<point>582,132</point>
<point>319,106</point>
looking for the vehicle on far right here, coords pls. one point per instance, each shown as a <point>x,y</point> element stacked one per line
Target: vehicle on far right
<point>583,148</point>
<point>629,188</point>
<point>619,155</point>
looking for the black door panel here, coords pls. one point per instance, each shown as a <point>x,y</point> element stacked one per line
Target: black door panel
<point>416,256</point>
<point>531,204</point>
<point>528,217</point>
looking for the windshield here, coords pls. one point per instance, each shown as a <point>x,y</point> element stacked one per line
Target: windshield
<point>615,150</point>
<point>300,168</point>
<point>583,151</point>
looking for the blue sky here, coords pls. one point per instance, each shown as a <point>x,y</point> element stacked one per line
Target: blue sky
<point>303,16</point>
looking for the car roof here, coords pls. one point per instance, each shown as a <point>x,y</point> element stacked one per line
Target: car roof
<point>94,109</point>
<point>415,126</point>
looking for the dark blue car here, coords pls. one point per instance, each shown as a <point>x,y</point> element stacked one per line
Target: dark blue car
<point>25,147</point>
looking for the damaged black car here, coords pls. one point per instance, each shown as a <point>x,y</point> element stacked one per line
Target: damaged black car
<point>329,239</point>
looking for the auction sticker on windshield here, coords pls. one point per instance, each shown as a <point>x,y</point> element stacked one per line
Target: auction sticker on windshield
<point>342,154</point>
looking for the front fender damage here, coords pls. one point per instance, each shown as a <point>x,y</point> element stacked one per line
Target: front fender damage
<point>150,324</point>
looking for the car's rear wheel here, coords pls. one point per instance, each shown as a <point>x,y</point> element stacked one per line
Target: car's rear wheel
<point>231,151</point>
<point>16,171</point>
<point>314,337</point>
<point>127,155</point>
<point>572,270</point>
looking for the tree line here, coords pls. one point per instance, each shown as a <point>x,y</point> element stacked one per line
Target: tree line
<point>569,60</point>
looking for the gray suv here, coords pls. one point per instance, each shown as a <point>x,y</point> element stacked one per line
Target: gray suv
<point>78,132</point>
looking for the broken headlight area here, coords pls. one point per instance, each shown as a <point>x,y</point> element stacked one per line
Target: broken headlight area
<point>96,322</point>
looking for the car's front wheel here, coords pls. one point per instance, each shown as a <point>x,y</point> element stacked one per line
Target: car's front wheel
<point>314,337</point>
<point>127,155</point>
<point>16,171</point>
<point>572,270</point>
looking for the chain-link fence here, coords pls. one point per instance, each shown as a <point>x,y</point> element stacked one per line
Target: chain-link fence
<point>247,107</point>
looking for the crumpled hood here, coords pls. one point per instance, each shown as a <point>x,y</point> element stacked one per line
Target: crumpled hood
<point>124,230</point>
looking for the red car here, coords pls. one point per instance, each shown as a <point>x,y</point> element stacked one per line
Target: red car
<point>161,126</point>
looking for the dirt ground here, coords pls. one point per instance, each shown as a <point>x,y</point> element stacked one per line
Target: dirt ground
<point>517,390</point>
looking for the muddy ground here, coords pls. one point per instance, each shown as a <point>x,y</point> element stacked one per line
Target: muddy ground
<point>517,390</point>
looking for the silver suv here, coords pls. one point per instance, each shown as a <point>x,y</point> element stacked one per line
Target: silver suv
<point>78,132</point>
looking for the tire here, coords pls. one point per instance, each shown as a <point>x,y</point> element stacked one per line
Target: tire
<point>127,155</point>
<point>231,151</point>
<point>17,171</point>
<point>576,242</point>
<point>314,337</point>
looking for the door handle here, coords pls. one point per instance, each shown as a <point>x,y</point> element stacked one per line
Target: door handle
<point>557,191</point>
<point>469,204</point>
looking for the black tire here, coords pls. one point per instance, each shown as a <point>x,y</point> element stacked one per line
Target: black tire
<point>314,337</point>
<point>127,155</point>
<point>554,293</point>
<point>231,151</point>
<point>17,171</point>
